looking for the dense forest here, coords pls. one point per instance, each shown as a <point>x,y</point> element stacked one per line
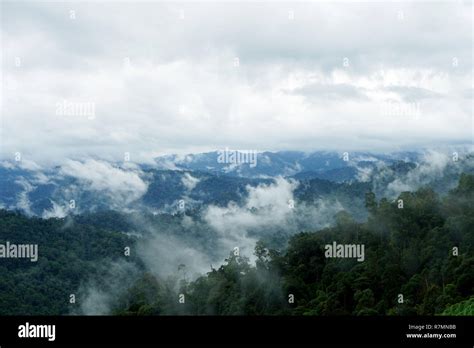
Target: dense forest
<point>419,260</point>
<point>68,255</point>
<point>422,251</point>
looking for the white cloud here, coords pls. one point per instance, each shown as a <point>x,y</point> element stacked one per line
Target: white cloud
<point>99,296</point>
<point>364,174</point>
<point>164,253</point>
<point>267,207</point>
<point>431,167</point>
<point>23,201</point>
<point>270,201</point>
<point>56,211</point>
<point>29,165</point>
<point>181,92</point>
<point>189,181</point>
<point>121,185</point>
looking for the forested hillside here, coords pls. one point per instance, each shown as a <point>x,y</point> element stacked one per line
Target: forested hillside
<point>409,252</point>
<point>422,250</point>
<point>69,254</point>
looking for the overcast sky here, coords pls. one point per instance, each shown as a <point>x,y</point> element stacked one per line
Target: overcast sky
<point>162,78</point>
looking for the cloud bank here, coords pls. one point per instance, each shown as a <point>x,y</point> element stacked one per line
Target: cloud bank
<point>187,78</point>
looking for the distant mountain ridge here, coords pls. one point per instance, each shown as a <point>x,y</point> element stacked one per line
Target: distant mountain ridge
<point>334,166</point>
<point>199,180</point>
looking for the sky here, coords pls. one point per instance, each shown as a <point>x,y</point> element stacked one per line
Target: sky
<point>96,80</point>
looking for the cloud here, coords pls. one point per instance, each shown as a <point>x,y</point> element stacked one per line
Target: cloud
<point>364,174</point>
<point>209,239</point>
<point>29,165</point>
<point>271,202</point>
<point>189,181</point>
<point>169,84</point>
<point>318,91</point>
<point>439,169</point>
<point>123,186</point>
<point>23,201</point>
<point>96,302</point>
<point>414,94</point>
<point>432,167</point>
<point>56,211</point>
<point>163,253</point>
<point>205,241</point>
<point>98,296</point>
<point>267,209</point>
